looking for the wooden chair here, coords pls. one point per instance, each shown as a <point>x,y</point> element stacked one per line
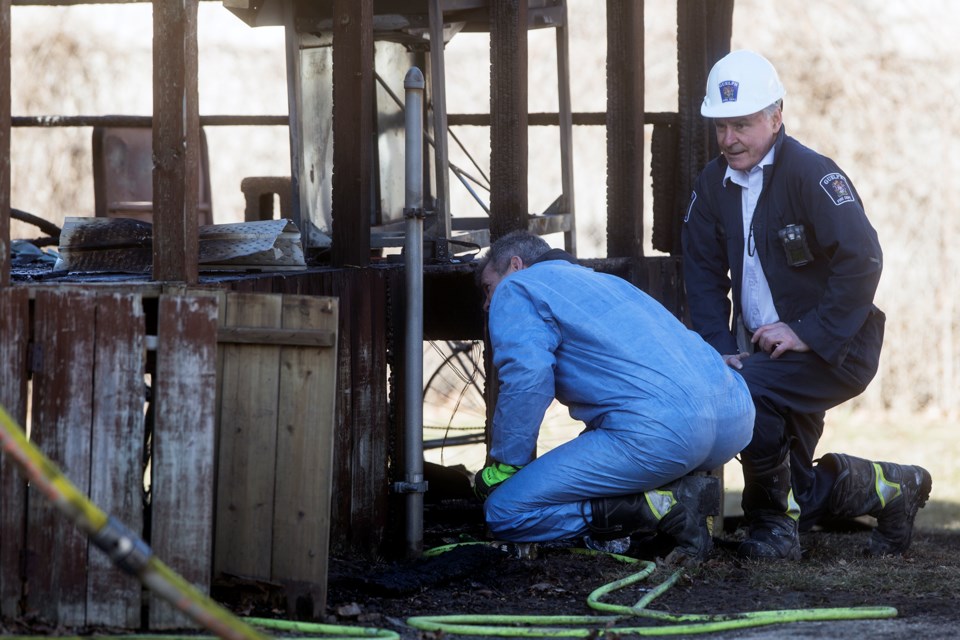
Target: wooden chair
<point>123,174</point>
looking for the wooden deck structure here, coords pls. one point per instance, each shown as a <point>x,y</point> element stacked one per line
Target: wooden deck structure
<point>45,328</point>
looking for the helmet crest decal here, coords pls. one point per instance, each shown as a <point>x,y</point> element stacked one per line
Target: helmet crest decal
<point>739,84</point>
<point>728,90</point>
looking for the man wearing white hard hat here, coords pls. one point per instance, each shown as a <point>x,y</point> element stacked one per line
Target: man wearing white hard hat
<point>784,229</point>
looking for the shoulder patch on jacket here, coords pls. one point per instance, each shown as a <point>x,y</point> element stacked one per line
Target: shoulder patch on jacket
<point>693,198</point>
<point>835,184</point>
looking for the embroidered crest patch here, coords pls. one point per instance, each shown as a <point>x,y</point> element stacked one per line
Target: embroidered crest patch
<point>728,90</point>
<point>693,198</point>
<point>835,184</point>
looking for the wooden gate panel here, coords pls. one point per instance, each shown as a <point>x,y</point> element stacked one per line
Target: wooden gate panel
<point>117,441</point>
<point>278,358</point>
<point>301,519</point>
<point>14,337</point>
<point>363,430</point>
<point>249,397</point>
<point>87,417</point>
<point>182,475</point>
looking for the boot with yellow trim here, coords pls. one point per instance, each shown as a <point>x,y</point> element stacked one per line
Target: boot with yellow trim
<point>892,493</point>
<point>771,513</point>
<point>657,511</point>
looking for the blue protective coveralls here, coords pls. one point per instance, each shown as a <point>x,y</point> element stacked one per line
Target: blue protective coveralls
<point>828,302</point>
<point>658,402</point>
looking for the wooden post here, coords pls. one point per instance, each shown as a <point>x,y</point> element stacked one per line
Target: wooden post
<point>625,130</point>
<point>298,212</point>
<point>353,119</point>
<point>509,207</point>
<point>703,36</point>
<point>176,141</point>
<point>4,143</point>
<point>14,338</point>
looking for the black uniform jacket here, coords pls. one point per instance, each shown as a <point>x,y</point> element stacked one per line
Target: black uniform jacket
<point>825,301</point>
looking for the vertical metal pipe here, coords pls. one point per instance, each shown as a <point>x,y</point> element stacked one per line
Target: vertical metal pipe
<point>414,485</point>
<point>438,89</point>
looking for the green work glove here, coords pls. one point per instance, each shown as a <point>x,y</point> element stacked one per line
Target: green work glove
<point>491,477</point>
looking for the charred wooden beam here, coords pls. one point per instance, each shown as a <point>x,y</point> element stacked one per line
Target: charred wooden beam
<point>625,129</point>
<point>667,198</point>
<point>4,143</point>
<point>540,119</point>
<point>142,121</point>
<point>508,117</point>
<point>703,36</point>
<point>353,131</point>
<point>14,349</point>
<point>176,141</point>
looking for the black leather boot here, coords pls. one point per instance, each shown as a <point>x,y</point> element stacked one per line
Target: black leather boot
<point>666,510</point>
<point>771,514</point>
<point>892,493</point>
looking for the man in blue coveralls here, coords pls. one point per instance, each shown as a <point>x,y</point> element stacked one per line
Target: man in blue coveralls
<point>785,229</point>
<point>658,403</point>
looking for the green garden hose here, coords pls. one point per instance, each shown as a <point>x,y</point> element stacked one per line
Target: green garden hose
<point>132,554</point>
<point>539,626</point>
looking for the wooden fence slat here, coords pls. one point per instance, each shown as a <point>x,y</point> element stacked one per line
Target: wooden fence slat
<point>301,524</point>
<point>182,474</point>
<point>5,118</point>
<point>63,366</point>
<point>116,479</point>
<point>249,393</point>
<point>14,335</point>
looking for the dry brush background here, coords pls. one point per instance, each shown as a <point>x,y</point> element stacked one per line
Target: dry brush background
<point>871,83</point>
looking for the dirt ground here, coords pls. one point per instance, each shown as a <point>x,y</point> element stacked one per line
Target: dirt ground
<point>484,579</point>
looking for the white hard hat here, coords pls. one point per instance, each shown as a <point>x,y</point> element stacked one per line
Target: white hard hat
<point>741,83</point>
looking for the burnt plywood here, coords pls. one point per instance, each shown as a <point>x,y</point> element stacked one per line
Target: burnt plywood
<point>14,336</point>
<point>183,457</point>
<point>362,433</point>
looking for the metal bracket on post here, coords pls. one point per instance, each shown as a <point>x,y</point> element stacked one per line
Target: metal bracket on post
<point>410,487</point>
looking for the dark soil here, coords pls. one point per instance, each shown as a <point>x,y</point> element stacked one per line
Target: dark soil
<point>487,579</point>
